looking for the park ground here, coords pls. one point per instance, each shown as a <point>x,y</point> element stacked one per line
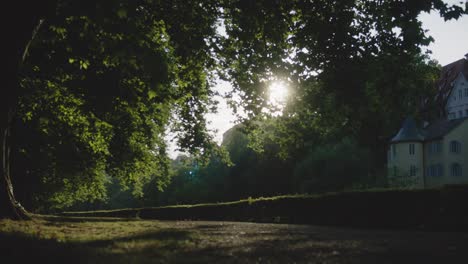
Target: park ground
<point>48,239</point>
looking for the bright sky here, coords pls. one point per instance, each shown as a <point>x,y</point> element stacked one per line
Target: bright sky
<point>451,37</point>
<point>451,44</point>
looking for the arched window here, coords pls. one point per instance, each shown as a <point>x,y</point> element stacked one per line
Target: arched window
<point>456,169</point>
<point>455,146</point>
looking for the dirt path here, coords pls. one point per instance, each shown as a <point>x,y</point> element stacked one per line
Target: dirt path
<point>86,240</point>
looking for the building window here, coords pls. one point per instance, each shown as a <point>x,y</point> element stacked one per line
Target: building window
<point>412,170</point>
<point>460,94</point>
<point>466,92</point>
<point>440,170</point>
<point>435,147</point>
<point>460,114</point>
<point>452,115</point>
<point>466,112</point>
<point>436,170</point>
<point>411,149</point>
<point>456,170</point>
<point>455,146</point>
<point>439,146</point>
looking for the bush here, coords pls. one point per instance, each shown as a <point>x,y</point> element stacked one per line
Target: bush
<point>428,209</point>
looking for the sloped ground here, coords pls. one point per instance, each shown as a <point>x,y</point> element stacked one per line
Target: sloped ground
<point>114,240</point>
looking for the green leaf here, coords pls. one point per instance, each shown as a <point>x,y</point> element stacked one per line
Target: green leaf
<point>151,94</point>
<point>122,13</point>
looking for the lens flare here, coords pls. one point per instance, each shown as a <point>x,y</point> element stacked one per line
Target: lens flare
<point>278,92</point>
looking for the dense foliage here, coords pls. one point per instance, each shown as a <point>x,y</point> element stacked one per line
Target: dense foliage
<point>349,64</point>
<point>104,82</point>
<point>341,166</point>
<point>100,86</point>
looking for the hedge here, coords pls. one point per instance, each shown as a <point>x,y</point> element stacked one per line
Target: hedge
<point>435,209</point>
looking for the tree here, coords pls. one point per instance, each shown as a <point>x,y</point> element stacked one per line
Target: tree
<point>347,61</point>
<point>251,174</point>
<point>18,25</point>
<point>101,85</point>
<point>332,167</point>
<point>349,64</point>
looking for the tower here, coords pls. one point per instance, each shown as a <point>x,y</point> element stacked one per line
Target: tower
<point>406,157</point>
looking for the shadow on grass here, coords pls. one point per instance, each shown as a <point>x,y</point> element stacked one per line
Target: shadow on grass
<point>147,247</point>
<point>217,242</point>
<point>306,244</point>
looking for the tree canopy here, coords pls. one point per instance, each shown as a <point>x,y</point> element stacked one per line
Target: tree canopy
<point>101,85</point>
<point>103,82</point>
<point>349,63</point>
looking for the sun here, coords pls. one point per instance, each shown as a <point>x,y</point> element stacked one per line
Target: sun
<point>278,92</point>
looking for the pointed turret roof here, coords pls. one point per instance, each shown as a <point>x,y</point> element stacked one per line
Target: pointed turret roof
<point>408,132</point>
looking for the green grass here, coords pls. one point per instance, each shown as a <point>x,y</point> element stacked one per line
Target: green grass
<point>128,236</point>
<point>91,240</point>
<point>47,239</point>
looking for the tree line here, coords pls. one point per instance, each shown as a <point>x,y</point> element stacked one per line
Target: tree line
<point>93,87</point>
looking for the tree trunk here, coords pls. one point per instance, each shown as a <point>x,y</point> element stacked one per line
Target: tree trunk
<point>10,207</point>
<point>18,25</point>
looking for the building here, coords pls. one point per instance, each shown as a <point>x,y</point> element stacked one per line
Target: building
<point>436,154</point>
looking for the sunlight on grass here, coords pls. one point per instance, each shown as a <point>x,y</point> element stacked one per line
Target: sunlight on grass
<point>118,241</point>
<point>79,231</point>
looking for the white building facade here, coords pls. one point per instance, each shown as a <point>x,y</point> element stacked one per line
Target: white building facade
<point>436,154</point>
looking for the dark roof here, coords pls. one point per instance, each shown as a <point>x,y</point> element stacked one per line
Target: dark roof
<point>436,130</point>
<point>448,74</point>
<point>408,132</point>
<point>444,86</point>
<point>441,127</point>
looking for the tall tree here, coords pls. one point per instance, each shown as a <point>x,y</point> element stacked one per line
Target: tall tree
<point>349,63</point>
<point>18,25</point>
<point>102,82</point>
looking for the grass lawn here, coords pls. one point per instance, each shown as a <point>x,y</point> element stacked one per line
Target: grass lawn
<point>91,240</point>
<point>49,239</point>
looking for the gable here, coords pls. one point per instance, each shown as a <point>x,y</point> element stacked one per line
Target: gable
<point>449,74</point>
<point>457,101</point>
